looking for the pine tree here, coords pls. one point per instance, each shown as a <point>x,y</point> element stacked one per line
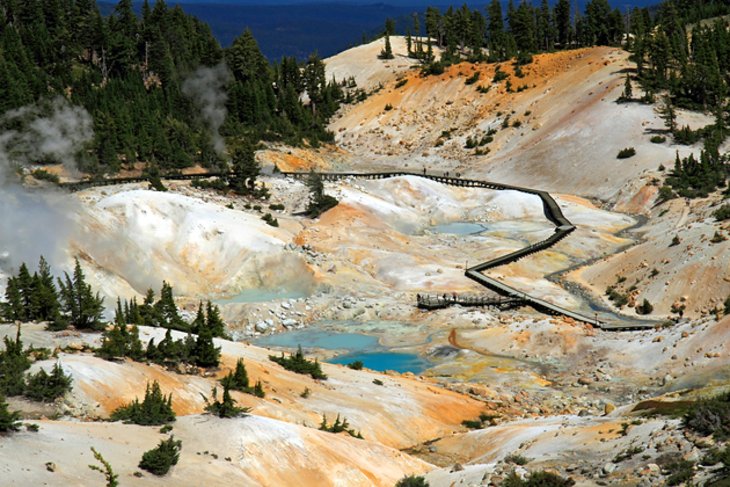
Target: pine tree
<point>245,169</point>
<point>13,364</point>
<point>237,380</point>
<point>628,92</point>
<point>81,306</point>
<point>155,409</point>
<point>48,387</point>
<point>214,321</point>
<point>387,52</point>
<point>668,114</point>
<point>48,307</point>
<point>206,353</point>
<point>226,408</point>
<point>159,460</point>
<point>8,419</point>
<point>319,202</point>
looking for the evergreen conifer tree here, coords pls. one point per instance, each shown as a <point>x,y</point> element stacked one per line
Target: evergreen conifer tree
<point>8,419</point>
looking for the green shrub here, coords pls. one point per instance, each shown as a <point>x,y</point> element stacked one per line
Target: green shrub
<point>356,365</point>
<point>112,479</point>
<point>277,207</point>
<point>538,479</point>
<point>679,472</point>
<point>665,194</point>
<point>158,461</point>
<point>43,175</point>
<point>658,139</point>
<point>388,107</point>
<point>270,220</point>
<point>9,420</point>
<point>338,427</point>
<point>516,459</point>
<point>675,241</point>
<point>722,213</point>
<point>626,153</point>
<point>483,89</point>
<point>226,407</point>
<point>499,76</point>
<point>378,382</point>
<point>155,409</point>
<point>473,424</point>
<point>710,417</point>
<point>13,364</point>
<point>46,387</point>
<point>412,481</point>
<point>297,363</point>
<point>718,237</point>
<point>472,79</point>
<point>401,83</point>
<point>238,381</point>
<point>645,307</point>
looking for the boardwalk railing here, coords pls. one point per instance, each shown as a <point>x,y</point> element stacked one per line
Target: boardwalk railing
<point>551,209</point>
<point>439,301</point>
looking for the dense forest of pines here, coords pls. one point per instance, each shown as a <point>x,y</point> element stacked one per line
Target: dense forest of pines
<point>128,72</point>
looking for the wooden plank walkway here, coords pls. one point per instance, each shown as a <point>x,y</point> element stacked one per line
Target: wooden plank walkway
<point>552,211</point>
<point>440,301</point>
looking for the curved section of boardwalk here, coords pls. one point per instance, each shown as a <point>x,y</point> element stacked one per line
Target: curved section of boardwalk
<point>552,212</point>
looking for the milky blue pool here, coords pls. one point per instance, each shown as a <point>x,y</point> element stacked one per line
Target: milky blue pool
<point>357,346</point>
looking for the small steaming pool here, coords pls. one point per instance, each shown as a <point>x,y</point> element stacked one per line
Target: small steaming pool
<point>356,346</point>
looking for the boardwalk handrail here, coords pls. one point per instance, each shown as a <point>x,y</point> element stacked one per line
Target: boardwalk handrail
<point>552,211</point>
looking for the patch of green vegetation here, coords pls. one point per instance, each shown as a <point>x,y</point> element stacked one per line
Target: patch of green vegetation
<point>338,427</point>
<point>472,79</point>
<point>46,387</point>
<point>155,409</point>
<point>237,380</point>
<point>658,139</point>
<point>722,213</point>
<point>626,153</point>
<point>297,363</point>
<point>159,460</point>
<point>710,417</point>
<point>537,479</point>
<point>224,408</point>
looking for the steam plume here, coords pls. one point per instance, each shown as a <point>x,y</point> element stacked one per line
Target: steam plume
<point>206,87</point>
<point>35,223</point>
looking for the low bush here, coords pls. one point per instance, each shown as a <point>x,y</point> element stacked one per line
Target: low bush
<point>226,407</point>
<point>356,365</point>
<point>538,479</point>
<point>626,153</point>
<point>338,427</point>
<point>401,83</point>
<point>297,363</point>
<point>158,461</point>
<point>645,308</point>
<point>155,409</point>
<point>710,417</point>
<point>658,139</point>
<point>46,387</point>
<point>472,79</point>
<point>722,213</point>
<point>412,481</point>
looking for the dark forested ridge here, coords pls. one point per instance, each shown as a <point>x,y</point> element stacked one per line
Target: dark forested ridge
<point>129,72</point>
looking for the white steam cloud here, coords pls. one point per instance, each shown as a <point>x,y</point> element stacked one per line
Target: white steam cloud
<point>206,87</point>
<point>38,222</point>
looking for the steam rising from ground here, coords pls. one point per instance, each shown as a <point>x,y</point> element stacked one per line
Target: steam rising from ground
<point>38,223</point>
<point>206,87</point>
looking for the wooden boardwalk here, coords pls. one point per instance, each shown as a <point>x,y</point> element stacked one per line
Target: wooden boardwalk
<point>551,210</point>
<point>440,301</point>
